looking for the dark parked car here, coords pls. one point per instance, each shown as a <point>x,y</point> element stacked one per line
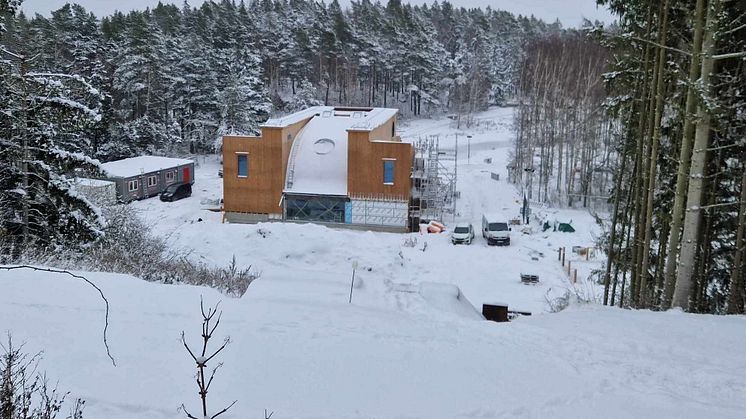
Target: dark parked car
<point>177,191</point>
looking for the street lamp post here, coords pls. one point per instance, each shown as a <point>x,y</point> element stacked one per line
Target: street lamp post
<point>530,172</point>
<point>352,283</point>
<point>468,149</point>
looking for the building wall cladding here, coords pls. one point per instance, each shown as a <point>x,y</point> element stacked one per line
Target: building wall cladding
<point>365,165</point>
<point>385,132</point>
<point>260,192</point>
<point>370,211</point>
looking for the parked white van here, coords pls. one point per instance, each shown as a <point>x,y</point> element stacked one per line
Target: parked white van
<point>495,229</point>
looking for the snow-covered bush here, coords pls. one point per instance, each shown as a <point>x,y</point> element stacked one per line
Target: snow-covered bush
<point>557,304</point>
<point>584,292</point>
<point>25,392</point>
<point>128,247</point>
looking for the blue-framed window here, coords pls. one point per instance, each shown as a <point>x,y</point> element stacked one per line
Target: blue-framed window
<point>388,171</point>
<point>243,165</point>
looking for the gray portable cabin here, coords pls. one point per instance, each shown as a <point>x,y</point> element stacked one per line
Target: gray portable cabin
<point>146,176</point>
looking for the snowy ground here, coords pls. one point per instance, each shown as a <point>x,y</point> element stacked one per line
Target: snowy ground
<point>299,349</point>
<point>407,347</point>
<point>483,273</point>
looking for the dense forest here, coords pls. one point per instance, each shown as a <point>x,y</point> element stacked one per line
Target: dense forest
<point>565,142</point>
<point>658,101</point>
<point>78,89</point>
<point>177,78</point>
<point>677,85</point>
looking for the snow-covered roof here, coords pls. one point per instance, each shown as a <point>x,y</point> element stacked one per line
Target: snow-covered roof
<point>374,119</point>
<point>134,166</point>
<point>366,119</point>
<point>295,117</point>
<point>318,159</point>
<point>93,182</point>
<point>496,218</point>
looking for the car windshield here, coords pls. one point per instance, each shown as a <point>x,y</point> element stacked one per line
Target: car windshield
<point>461,230</point>
<point>498,226</point>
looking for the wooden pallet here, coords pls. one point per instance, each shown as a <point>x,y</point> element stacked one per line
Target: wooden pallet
<point>529,279</point>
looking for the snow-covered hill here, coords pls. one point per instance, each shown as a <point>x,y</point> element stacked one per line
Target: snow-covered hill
<point>300,350</point>
<point>409,345</point>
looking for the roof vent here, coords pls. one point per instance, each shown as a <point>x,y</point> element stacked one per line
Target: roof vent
<point>326,114</point>
<point>323,146</point>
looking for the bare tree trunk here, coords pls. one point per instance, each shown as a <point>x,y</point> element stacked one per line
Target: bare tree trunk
<point>685,156</point>
<point>692,217</point>
<point>610,256</point>
<point>639,163</point>
<point>23,128</point>
<point>653,164</point>
<point>735,299</point>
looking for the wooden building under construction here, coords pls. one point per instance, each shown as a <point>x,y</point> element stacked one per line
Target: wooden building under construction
<point>324,164</point>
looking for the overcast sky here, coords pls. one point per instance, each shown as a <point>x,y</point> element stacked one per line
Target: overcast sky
<point>569,12</point>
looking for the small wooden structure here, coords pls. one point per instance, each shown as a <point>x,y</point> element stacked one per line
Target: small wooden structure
<point>497,312</point>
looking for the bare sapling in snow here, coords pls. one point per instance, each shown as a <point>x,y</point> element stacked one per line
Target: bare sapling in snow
<point>25,392</point>
<point>209,324</point>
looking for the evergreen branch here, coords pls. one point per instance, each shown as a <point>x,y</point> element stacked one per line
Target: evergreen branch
<point>12,54</point>
<point>736,29</point>
<point>722,204</point>
<point>729,55</point>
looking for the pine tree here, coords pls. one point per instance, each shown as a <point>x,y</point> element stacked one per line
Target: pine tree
<point>42,120</point>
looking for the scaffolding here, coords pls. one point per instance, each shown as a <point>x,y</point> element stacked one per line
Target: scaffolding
<point>434,176</point>
<point>378,209</point>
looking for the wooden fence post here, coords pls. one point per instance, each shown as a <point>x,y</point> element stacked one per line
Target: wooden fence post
<point>563,256</point>
<point>569,264</point>
<point>575,276</point>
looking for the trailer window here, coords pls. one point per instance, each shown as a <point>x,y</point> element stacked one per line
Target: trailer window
<point>152,181</point>
<point>133,185</point>
<point>170,177</point>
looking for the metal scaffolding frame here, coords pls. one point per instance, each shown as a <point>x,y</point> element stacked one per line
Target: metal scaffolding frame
<point>375,209</point>
<point>434,177</point>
